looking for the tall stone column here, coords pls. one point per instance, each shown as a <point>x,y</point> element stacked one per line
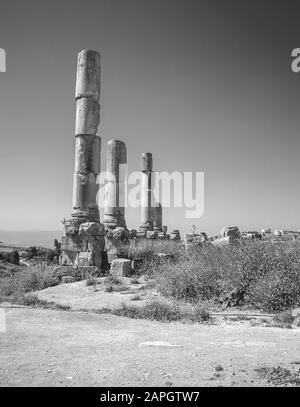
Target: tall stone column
<point>115,185</point>
<point>84,242</point>
<point>158,217</point>
<point>147,211</point>
<point>88,144</point>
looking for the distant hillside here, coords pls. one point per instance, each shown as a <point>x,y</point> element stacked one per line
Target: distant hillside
<point>26,238</point>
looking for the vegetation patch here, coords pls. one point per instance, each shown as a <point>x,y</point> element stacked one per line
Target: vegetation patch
<point>161,311</point>
<point>259,275</point>
<point>279,376</point>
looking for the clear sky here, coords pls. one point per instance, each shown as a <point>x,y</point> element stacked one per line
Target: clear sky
<point>204,85</point>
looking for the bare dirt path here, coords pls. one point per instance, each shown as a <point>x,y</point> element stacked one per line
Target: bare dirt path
<point>43,347</point>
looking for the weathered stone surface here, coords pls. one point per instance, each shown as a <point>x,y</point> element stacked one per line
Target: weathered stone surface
<point>88,75</point>
<point>67,279</point>
<point>175,235</point>
<point>75,243</point>
<point>115,184</point>
<point>87,154</point>
<point>84,190</point>
<point>116,240</point>
<point>84,242</point>
<point>82,215</point>
<point>79,273</point>
<point>231,231</point>
<point>147,199</point>
<point>278,233</point>
<point>84,259</point>
<point>158,217</point>
<point>121,268</point>
<point>67,257</point>
<point>146,162</point>
<point>224,241</point>
<point>91,229</point>
<point>141,233</point>
<point>71,226</point>
<point>87,116</point>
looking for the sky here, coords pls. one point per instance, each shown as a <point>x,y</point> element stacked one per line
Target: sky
<point>204,85</point>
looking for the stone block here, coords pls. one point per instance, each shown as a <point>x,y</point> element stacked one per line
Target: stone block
<point>224,241</point>
<point>87,116</point>
<point>71,227</point>
<point>87,154</point>
<point>121,268</point>
<point>231,231</point>
<point>73,243</point>
<point>67,258</point>
<point>91,229</point>
<point>84,259</point>
<point>88,75</point>
<point>84,190</point>
<point>79,273</point>
<point>175,235</point>
<point>146,162</point>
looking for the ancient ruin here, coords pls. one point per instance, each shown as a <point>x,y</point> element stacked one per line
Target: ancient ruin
<point>83,242</point>
<point>147,210</point>
<point>114,215</point>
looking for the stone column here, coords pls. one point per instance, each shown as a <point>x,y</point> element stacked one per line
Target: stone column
<point>158,217</point>
<point>147,212</point>
<point>83,243</point>
<point>88,144</point>
<point>115,185</point>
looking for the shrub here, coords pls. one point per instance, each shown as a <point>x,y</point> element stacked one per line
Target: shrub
<point>154,310</point>
<point>112,280</point>
<point>14,257</point>
<point>91,281</point>
<point>145,252</point>
<point>258,274</point>
<point>32,279</point>
<point>285,318</point>
<point>161,311</point>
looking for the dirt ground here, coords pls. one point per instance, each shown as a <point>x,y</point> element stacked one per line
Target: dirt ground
<point>44,347</point>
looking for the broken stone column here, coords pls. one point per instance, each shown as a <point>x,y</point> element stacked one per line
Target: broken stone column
<point>158,217</point>
<point>83,243</point>
<point>88,144</point>
<point>115,185</point>
<point>147,213</point>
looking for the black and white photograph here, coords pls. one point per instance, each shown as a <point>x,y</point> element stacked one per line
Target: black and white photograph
<point>150,197</point>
